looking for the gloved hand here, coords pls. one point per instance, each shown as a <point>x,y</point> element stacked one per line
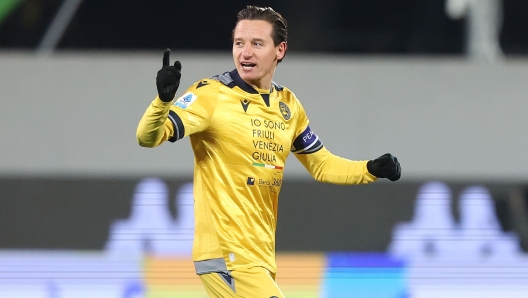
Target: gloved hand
<point>168,78</point>
<point>385,166</point>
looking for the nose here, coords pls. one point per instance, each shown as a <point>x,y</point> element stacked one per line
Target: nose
<point>247,52</point>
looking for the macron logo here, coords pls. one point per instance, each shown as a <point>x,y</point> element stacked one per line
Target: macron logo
<point>201,84</point>
<point>245,103</point>
<point>251,181</point>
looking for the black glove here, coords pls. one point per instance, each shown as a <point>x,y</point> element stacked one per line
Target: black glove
<point>385,166</point>
<point>168,78</point>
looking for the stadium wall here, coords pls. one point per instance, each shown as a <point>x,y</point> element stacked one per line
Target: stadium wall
<point>75,114</point>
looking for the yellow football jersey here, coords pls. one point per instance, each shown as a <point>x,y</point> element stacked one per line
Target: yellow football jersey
<point>241,137</point>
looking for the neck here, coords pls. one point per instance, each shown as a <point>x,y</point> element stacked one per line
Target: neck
<point>250,87</point>
<point>261,85</point>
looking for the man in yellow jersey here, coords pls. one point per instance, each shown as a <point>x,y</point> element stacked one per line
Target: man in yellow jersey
<point>242,127</point>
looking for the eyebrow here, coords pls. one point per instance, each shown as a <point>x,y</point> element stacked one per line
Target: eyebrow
<point>254,39</point>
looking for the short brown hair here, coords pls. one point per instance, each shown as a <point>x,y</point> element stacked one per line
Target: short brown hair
<point>278,23</point>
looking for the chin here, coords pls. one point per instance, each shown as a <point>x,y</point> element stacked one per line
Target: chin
<point>249,77</point>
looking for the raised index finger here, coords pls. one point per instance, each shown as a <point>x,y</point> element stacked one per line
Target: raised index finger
<point>166,60</point>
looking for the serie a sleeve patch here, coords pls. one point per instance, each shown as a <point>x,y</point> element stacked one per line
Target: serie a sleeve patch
<point>185,100</point>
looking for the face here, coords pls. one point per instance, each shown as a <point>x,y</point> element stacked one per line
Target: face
<point>254,53</point>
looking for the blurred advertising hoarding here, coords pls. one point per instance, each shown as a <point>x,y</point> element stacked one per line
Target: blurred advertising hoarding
<point>133,238</point>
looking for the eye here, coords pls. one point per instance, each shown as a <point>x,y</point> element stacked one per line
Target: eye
<point>238,43</point>
<point>257,43</point>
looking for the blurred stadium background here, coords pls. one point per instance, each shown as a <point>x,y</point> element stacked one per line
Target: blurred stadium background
<point>86,212</point>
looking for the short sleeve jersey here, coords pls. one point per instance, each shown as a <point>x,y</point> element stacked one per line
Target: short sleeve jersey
<point>241,138</point>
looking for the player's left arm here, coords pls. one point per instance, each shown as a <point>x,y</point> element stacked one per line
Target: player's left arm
<point>330,168</point>
<point>327,167</point>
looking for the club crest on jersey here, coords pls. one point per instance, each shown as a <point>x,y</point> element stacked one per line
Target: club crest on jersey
<point>185,100</point>
<point>285,111</point>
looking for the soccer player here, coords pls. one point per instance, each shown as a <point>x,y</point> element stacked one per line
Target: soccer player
<point>242,127</point>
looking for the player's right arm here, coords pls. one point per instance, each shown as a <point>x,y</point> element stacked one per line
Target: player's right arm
<point>153,128</point>
<point>167,119</point>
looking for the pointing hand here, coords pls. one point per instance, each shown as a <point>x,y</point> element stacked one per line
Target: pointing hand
<point>168,78</point>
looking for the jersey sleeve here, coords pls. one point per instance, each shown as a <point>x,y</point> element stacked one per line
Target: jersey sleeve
<point>321,163</point>
<point>188,114</point>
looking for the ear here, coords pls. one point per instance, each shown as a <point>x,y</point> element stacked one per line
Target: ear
<point>281,50</point>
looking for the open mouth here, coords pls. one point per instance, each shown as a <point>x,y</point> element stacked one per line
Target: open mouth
<point>247,65</point>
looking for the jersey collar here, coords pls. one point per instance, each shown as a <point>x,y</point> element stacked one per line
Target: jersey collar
<point>242,84</point>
